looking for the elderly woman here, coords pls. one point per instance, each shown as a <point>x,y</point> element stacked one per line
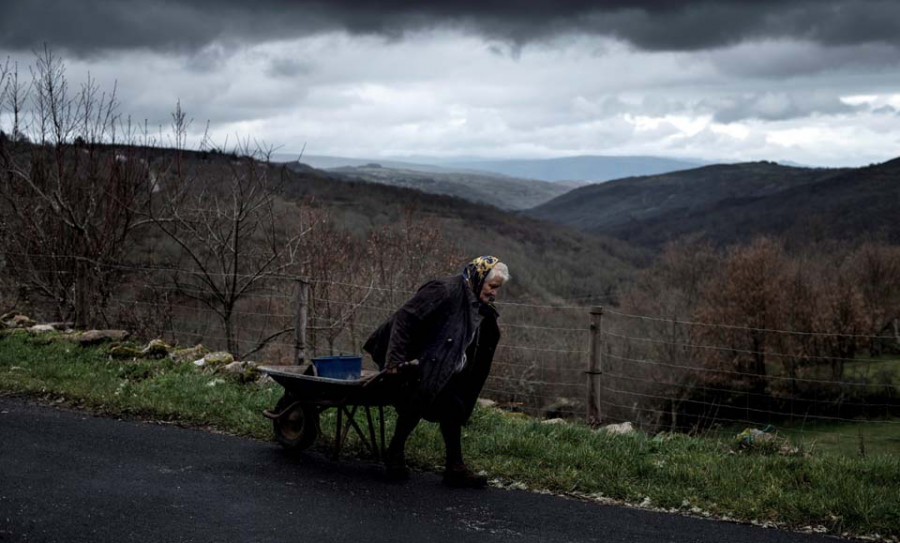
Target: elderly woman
<point>443,340</point>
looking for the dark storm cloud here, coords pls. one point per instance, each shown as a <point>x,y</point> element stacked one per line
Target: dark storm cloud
<point>89,26</point>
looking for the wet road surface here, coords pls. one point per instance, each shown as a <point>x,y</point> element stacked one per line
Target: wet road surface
<point>69,476</point>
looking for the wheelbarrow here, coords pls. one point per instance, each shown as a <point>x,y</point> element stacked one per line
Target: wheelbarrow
<point>295,418</point>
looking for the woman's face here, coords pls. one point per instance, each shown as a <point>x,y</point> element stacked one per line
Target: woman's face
<point>489,290</point>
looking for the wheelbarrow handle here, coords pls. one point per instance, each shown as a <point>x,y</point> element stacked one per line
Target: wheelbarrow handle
<point>375,378</point>
<point>274,416</point>
<point>393,370</point>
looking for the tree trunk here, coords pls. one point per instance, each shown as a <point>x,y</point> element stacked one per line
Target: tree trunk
<point>231,344</point>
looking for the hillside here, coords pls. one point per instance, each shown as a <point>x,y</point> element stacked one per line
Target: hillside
<point>496,190</point>
<point>729,203</point>
<point>577,170</point>
<point>590,168</point>
<point>860,202</point>
<point>548,261</point>
<point>326,162</point>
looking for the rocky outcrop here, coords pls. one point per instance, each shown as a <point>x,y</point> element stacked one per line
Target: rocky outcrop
<point>244,371</point>
<point>618,429</point>
<point>94,337</point>
<point>215,360</point>
<point>554,421</point>
<point>560,408</point>
<point>123,352</point>
<point>157,348</point>
<point>16,320</point>
<point>189,354</point>
<point>118,348</point>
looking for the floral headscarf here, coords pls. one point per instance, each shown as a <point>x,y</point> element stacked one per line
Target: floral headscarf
<point>477,271</point>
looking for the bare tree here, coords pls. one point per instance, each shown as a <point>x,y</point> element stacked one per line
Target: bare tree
<point>356,283</point>
<point>408,252</point>
<point>16,96</point>
<point>341,281</point>
<point>875,268</point>
<point>745,293</point>
<point>67,199</point>
<point>230,229</point>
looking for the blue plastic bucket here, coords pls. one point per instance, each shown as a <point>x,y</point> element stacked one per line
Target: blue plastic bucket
<point>345,366</point>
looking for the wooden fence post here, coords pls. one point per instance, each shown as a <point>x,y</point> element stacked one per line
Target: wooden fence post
<point>595,367</point>
<point>300,326</point>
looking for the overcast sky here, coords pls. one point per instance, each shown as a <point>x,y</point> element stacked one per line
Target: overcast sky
<point>815,82</point>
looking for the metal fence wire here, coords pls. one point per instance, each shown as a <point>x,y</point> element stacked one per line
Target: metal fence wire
<point>573,361</point>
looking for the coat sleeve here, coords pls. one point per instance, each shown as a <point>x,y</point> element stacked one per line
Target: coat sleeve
<point>409,321</point>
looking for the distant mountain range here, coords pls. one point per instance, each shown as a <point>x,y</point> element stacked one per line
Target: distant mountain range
<point>730,203</point>
<point>724,202</point>
<point>589,168</point>
<point>497,190</point>
<point>579,264</point>
<point>593,169</point>
<point>324,162</point>
<point>507,184</point>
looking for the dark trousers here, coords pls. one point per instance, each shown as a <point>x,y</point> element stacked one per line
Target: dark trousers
<point>451,430</point>
<point>448,409</point>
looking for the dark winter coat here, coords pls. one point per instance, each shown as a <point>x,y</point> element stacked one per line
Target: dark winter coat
<point>436,326</point>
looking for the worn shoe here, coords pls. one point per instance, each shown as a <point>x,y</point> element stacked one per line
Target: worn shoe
<point>459,476</point>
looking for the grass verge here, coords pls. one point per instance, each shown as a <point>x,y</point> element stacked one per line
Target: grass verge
<point>814,490</point>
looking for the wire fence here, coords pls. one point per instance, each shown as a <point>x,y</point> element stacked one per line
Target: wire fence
<point>657,372</point>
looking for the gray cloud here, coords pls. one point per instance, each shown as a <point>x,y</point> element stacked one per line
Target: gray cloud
<point>386,88</point>
<point>778,106</point>
<point>886,110</point>
<point>91,26</point>
<point>288,67</point>
<point>777,60</point>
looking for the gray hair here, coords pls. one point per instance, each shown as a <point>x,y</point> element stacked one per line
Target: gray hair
<point>499,270</point>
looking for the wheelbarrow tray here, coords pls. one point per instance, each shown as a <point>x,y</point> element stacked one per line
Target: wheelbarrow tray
<point>367,390</point>
<point>296,417</point>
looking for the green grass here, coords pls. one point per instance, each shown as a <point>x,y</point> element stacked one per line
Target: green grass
<point>847,438</point>
<point>884,369</point>
<point>844,493</point>
<point>158,389</point>
<point>857,438</point>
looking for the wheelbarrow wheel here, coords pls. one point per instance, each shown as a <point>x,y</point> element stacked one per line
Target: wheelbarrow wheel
<point>297,429</point>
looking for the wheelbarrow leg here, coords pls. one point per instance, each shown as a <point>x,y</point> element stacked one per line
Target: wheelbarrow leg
<point>381,423</point>
<point>337,433</point>
<point>351,423</point>
<point>375,450</point>
<point>343,428</point>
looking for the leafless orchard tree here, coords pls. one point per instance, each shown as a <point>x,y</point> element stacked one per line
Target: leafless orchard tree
<point>232,234</point>
<point>754,326</point>
<point>876,268</point>
<point>68,198</point>
<point>340,282</point>
<point>407,253</point>
<point>355,283</point>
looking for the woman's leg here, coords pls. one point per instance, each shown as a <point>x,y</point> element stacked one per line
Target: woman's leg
<point>395,457</point>
<point>452,432</point>
<point>457,474</point>
<point>407,420</point>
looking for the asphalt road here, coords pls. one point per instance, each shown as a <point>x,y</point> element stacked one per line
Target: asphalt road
<point>68,476</point>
